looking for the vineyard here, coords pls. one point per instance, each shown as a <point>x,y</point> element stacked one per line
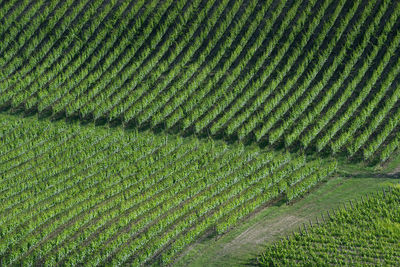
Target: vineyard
<point>75,194</point>
<point>131,129</point>
<point>319,75</point>
<point>365,233</point>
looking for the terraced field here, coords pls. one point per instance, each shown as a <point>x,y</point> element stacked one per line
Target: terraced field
<point>131,129</point>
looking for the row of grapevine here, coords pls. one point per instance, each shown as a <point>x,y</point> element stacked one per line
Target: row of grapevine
<point>251,89</point>
<point>295,111</point>
<point>22,17</point>
<point>92,195</point>
<point>264,28</point>
<point>364,233</point>
<point>147,47</point>
<point>310,180</point>
<point>54,61</point>
<point>8,10</point>
<point>306,74</point>
<point>155,66</point>
<point>315,110</point>
<point>268,69</point>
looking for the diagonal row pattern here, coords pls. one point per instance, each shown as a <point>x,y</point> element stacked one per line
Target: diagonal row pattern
<point>91,195</point>
<point>365,233</point>
<point>303,74</point>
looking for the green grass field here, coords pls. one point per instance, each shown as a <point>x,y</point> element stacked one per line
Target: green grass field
<point>188,132</point>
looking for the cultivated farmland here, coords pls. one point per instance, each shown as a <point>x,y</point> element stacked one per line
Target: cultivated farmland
<point>75,194</point>
<point>361,233</point>
<point>316,74</point>
<point>130,130</point>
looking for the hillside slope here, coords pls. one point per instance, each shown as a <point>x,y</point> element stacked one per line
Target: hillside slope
<point>363,233</point>
<point>248,240</point>
<point>225,107</point>
<point>322,75</point>
<point>90,195</point>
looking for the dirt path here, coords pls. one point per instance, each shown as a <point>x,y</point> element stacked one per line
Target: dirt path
<point>242,245</point>
<point>259,233</point>
<point>396,171</point>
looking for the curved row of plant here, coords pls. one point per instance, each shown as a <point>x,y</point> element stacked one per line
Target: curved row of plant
<point>319,75</point>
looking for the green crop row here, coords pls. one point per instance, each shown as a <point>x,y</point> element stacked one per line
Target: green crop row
<point>364,233</point>
<point>305,74</point>
<point>90,195</point>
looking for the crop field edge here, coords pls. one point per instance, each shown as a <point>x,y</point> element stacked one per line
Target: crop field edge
<point>212,250</point>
